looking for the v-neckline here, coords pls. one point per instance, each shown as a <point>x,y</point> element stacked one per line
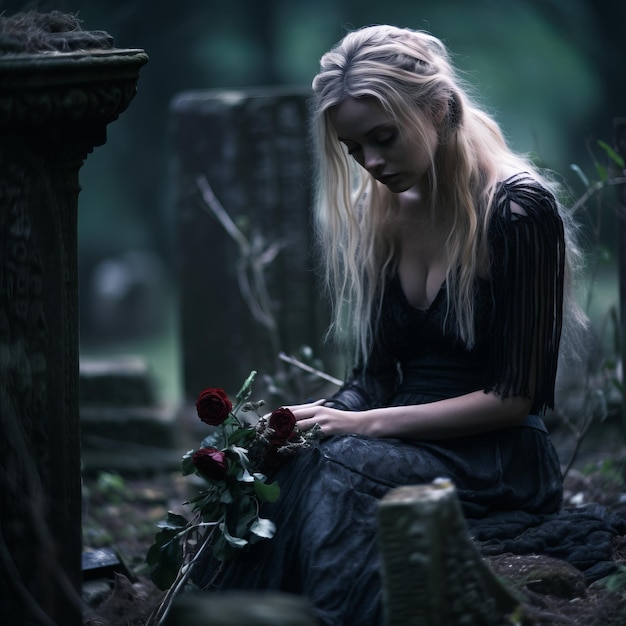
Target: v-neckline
<point>411,306</point>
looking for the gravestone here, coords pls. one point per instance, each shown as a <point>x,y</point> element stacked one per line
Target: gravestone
<point>59,88</point>
<point>246,152</point>
<point>432,573</point>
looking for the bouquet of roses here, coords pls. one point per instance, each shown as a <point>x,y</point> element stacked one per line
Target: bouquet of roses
<point>232,463</point>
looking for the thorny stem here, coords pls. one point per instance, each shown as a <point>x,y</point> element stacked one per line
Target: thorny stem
<point>160,613</point>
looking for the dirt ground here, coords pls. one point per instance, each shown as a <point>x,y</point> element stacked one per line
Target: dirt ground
<point>120,513</point>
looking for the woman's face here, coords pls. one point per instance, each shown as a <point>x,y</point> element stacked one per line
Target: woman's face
<point>374,141</point>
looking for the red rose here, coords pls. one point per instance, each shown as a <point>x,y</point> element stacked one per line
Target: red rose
<point>282,421</point>
<point>210,462</point>
<point>213,406</point>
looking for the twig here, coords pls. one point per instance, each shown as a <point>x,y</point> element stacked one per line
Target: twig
<point>220,212</point>
<point>250,265</point>
<point>158,616</point>
<point>579,435</point>
<point>597,186</point>
<point>307,368</point>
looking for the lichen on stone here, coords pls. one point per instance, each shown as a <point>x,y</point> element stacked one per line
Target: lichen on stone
<point>33,32</point>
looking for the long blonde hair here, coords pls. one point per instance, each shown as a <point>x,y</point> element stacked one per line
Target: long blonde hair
<point>410,74</point>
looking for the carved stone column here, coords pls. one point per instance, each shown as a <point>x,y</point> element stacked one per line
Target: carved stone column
<point>59,88</point>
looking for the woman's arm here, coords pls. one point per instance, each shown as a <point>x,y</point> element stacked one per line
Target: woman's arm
<point>469,414</point>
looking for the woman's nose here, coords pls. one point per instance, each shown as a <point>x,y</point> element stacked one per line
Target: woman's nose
<point>372,160</point>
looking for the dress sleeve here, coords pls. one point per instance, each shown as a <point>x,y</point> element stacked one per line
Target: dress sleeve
<point>527,252</point>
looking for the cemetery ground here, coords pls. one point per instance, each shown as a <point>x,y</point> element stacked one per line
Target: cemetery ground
<point>120,513</point>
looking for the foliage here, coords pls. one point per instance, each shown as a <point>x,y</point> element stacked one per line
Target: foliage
<point>113,486</point>
<point>231,463</point>
<point>603,385</point>
<point>610,472</point>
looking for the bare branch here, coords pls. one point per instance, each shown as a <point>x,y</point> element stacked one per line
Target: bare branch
<point>311,370</point>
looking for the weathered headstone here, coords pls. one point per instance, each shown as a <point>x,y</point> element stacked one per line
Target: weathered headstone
<point>59,88</point>
<point>432,573</point>
<point>245,151</point>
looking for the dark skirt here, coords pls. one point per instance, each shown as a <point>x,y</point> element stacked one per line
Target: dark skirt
<point>325,547</point>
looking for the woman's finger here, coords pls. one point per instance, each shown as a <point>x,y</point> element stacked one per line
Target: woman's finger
<point>305,405</point>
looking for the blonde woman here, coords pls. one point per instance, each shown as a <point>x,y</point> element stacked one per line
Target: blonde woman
<point>447,259</point>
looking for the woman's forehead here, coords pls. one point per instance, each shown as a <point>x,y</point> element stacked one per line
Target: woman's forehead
<point>358,116</point>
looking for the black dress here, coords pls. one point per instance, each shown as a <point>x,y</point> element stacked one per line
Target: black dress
<point>325,546</point>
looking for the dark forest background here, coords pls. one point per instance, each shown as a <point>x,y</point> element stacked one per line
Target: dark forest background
<point>551,71</point>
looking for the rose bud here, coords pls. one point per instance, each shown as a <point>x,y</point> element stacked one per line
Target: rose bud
<point>282,421</point>
<point>213,406</point>
<point>211,463</point>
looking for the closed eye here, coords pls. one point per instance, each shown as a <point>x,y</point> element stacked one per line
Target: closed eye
<point>386,138</point>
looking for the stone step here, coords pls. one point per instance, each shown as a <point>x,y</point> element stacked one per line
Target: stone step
<point>116,381</point>
<point>124,428</point>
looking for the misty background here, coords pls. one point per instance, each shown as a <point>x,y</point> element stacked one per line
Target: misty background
<point>551,72</point>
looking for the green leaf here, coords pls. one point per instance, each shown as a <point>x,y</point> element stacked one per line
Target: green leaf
<point>602,173</point>
<point>242,436</point>
<point>186,464</point>
<point>239,467</point>
<point>235,542</point>
<point>211,511</point>
<point>581,174</point>
<point>202,495</point>
<point>246,514</point>
<point>246,389</point>
<point>266,492</point>
<point>222,550</point>
<point>226,496</point>
<point>164,558</point>
<point>209,505</point>
<point>264,528</point>
<point>616,158</point>
<point>173,522</point>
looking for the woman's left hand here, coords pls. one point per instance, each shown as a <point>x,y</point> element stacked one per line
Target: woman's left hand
<point>331,421</point>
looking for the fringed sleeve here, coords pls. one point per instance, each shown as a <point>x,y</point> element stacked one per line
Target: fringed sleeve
<point>527,268</point>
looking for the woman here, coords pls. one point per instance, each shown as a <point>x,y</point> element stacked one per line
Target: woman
<point>447,261</point>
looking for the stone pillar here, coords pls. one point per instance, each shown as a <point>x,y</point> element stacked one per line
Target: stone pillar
<point>250,147</point>
<point>59,88</point>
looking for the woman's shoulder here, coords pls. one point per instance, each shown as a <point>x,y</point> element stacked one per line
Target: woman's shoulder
<point>521,194</point>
